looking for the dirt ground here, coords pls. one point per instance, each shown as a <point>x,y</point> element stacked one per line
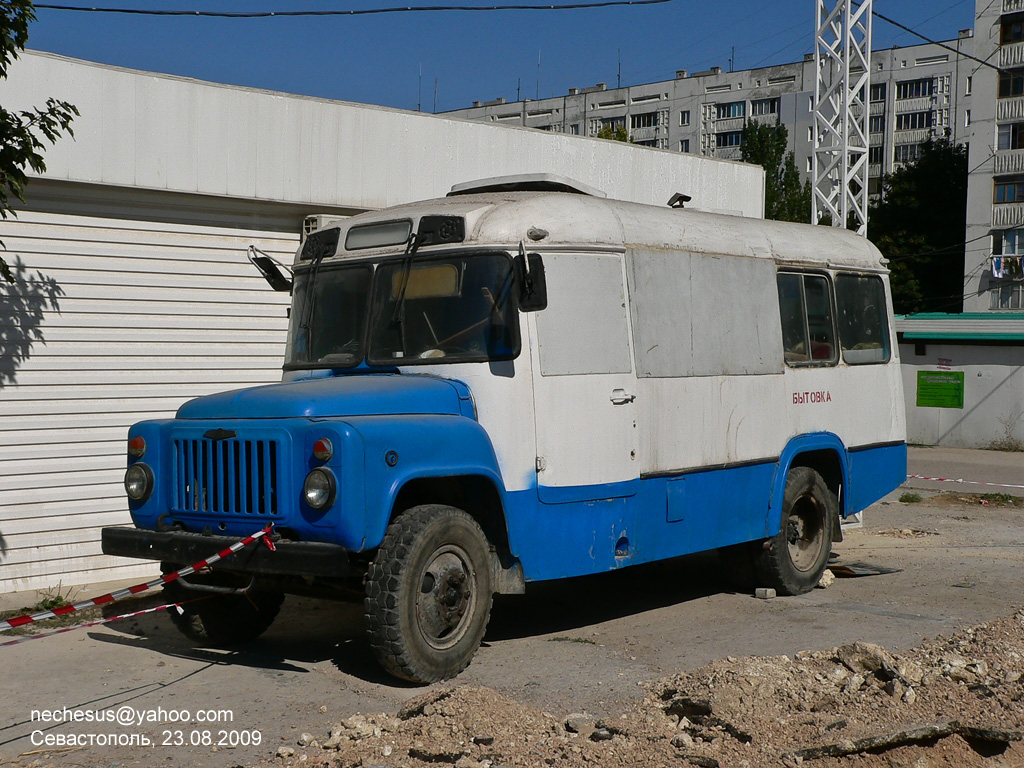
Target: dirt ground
<point>655,665</point>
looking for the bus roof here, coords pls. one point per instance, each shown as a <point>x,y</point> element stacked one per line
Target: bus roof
<point>561,219</point>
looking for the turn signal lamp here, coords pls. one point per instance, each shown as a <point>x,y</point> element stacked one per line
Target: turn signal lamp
<point>136,447</point>
<point>322,449</point>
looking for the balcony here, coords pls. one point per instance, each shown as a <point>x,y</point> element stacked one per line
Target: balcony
<point>645,134</point>
<point>1011,55</point>
<point>876,108</point>
<point>919,136</point>
<point>1008,161</point>
<point>1008,215</point>
<point>728,153</point>
<point>1012,6</point>
<point>729,124</point>
<point>1010,109</point>
<point>923,104</point>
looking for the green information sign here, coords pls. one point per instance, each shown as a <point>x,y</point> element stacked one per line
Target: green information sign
<point>940,389</point>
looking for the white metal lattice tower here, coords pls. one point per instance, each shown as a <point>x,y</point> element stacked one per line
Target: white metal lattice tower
<point>842,59</point>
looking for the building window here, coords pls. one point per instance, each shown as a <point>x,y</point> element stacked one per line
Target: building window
<point>906,153</point>
<point>1010,136</point>
<point>1011,30</point>
<point>613,123</point>
<point>810,165</point>
<point>967,118</point>
<point>875,155</point>
<point>574,129</point>
<point>913,121</point>
<point>729,139</point>
<point>1011,83</point>
<point>1012,243</point>
<point>684,117</point>
<point>970,84</point>
<point>878,92</point>
<point>684,145</point>
<point>1009,191</point>
<point>764,107</point>
<point>810,133</point>
<point>647,143</point>
<point>876,124</point>
<point>1005,297</point>
<point>914,89</point>
<point>643,120</point>
<point>732,109</point>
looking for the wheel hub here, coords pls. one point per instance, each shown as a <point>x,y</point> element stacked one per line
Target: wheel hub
<point>445,599</point>
<point>805,533</point>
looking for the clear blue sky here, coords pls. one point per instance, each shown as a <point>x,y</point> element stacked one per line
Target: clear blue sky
<point>377,59</point>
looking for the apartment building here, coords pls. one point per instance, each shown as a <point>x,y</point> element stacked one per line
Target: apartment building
<point>916,92</point>
<point>993,278</point>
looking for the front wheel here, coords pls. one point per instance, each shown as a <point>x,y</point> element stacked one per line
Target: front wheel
<point>428,594</point>
<point>794,559</point>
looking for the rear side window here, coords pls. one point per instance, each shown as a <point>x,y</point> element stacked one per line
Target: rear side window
<point>863,327</point>
<point>808,330</point>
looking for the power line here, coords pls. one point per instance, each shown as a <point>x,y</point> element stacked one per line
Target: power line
<point>354,12</point>
<point>905,28</point>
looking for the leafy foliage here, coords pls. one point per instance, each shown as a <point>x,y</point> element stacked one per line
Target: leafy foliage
<point>23,132</point>
<point>919,224</point>
<point>785,198</point>
<point>616,134</point>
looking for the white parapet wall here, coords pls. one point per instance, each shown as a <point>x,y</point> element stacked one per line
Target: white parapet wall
<point>134,294</point>
<point>139,129</point>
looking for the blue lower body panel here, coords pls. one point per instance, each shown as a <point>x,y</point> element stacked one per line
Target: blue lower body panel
<point>874,472</point>
<point>665,517</point>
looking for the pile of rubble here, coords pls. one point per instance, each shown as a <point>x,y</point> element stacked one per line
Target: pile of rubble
<point>953,701</point>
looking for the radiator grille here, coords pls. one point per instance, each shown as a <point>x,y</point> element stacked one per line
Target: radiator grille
<point>228,476</point>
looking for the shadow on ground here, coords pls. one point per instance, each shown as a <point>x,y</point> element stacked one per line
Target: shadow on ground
<point>309,631</point>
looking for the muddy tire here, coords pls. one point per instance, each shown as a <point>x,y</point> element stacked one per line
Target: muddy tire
<point>428,594</point>
<point>793,560</point>
<point>222,620</point>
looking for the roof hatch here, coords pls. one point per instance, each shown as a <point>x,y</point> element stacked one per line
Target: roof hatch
<point>526,182</point>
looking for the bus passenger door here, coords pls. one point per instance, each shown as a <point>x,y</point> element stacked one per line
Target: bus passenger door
<point>584,384</point>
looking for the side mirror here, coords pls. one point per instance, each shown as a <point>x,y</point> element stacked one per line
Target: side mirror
<point>271,272</point>
<point>530,281</point>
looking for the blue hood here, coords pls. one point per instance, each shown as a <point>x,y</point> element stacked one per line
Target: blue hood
<point>336,396</point>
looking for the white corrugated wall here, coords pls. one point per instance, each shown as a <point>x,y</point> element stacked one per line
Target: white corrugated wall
<point>112,321</point>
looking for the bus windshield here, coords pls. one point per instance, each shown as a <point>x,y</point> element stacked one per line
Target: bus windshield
<point>424,311</point>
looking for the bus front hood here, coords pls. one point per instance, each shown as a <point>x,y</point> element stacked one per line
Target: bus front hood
<point>336,397</point>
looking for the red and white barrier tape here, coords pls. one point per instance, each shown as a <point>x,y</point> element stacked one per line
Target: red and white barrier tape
<point>966,482</point>
<point>87,624</point>
<point>19,621</point>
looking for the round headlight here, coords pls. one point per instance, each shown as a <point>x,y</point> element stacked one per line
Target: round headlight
<point>138,482</point>
<point>319,488</point>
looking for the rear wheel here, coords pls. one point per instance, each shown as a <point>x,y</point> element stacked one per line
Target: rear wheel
<point>428,594</point>
<point>222,620</point>
<point>794,559</point>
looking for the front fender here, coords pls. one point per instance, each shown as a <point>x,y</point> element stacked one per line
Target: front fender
<point>399,449</point>
<point>816,441</point>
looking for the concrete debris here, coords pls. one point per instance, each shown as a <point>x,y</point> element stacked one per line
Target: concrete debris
<point>858,703</point>
<point>827,579</point>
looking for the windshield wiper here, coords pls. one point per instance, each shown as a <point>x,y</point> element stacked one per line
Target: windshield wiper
<point>398,317</point>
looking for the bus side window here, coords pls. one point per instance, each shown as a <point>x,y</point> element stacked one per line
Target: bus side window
<point>808,334</point>
<point>863,330</point>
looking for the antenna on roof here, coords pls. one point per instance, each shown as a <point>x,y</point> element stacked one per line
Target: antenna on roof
<point>679,200</point>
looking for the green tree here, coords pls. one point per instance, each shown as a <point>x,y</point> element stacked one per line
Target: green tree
<point>919,223</point>
<point>785,197</point>
<point>616,134</point>
<point>22,132</point>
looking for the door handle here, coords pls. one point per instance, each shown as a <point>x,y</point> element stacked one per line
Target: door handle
<point>621,397</point>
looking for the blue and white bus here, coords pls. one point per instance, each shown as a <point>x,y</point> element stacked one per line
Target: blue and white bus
<point>522,382</point>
